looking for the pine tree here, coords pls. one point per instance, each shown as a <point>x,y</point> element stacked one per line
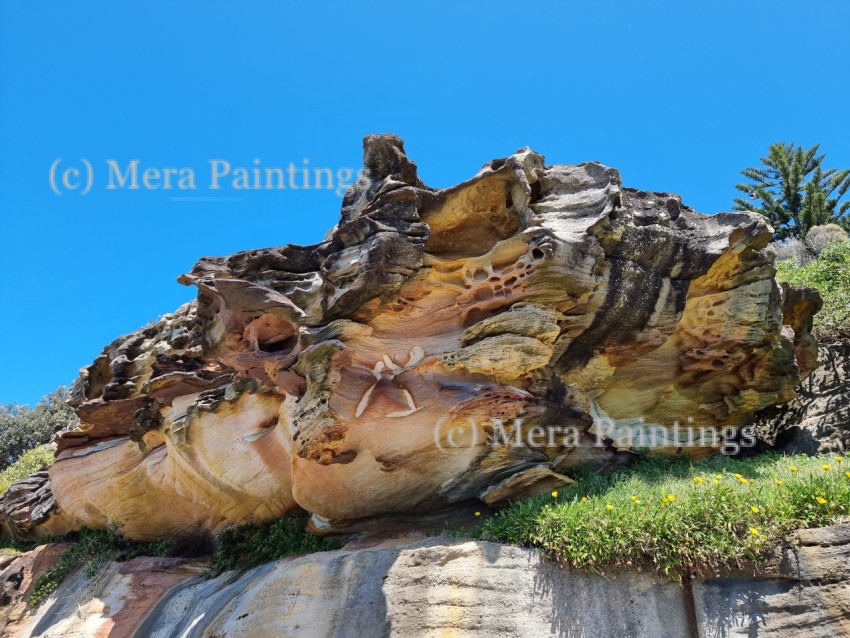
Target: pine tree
<point>794,192</point>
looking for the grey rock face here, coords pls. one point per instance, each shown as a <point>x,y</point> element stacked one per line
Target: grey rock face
<point>818,420</point>
<point>444,587</point>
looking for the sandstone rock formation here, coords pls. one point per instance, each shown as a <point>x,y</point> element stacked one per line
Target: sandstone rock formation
<point>446,587</point>
<point>18,574</point>
<point>440,345</point>
<point>818,419</point>
<point>29,504</point>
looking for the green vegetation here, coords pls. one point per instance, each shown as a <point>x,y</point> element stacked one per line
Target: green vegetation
<point>794,192</point>
<point>92,549</point>
<point>829,272</point>
<point>13,546</point>
<point>670,514</point>
<point>246,546</point>
<point>29,462</point>
<point>237,548</point>
<point>676,516</point>
<point>23,428</point>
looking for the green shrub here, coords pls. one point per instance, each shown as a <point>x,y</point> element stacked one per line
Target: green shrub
<point>830,274</point>
<point>29,462</point>
<point>23,428</point>
<point>246,546</point>
<point>677,517</point>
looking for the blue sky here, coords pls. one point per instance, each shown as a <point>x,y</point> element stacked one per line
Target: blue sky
<point>678,95</point>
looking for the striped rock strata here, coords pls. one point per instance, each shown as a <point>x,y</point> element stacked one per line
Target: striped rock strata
<point>447,587</point>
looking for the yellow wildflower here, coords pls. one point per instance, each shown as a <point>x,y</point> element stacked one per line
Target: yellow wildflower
<point>754,531</point>
<point>793,468</point>
<point>777,481</point>
<point>754,509</point>
<point>584,499</point>
<point>478,513</point>
<point>697,480</point>
<point>671,498</point>
<point>821,500</point>
<point>609,506</point>
<point>554,494</point>
<point>825,467</point>
<point>737,476</point>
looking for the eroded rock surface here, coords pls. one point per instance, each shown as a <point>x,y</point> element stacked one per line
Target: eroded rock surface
<point>445,587</point>
<point>818,419</point>
<point>18,576</point>
<point>29,504</point>
<point>440,345</point>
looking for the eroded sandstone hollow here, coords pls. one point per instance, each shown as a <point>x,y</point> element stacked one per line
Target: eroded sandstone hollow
<point>440,345</point>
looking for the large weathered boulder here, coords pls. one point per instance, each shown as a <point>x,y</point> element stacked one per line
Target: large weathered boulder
<point>440,345</point>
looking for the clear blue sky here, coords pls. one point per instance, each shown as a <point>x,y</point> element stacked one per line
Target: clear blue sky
<point>678,95</point>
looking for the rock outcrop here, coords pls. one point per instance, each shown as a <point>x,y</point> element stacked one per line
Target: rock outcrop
<point>29,504</point>
<point>18,575</point>
<point>440,345</point>
<point>445,587</point>
<point>818,419</point>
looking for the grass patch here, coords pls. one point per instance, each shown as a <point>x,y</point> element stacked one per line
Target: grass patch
<point>246,546</point>
<point>29,462</point>
<point>13,546</point>
<point>678,517</point>
<point>450,529</point>
<point>92,549</point>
